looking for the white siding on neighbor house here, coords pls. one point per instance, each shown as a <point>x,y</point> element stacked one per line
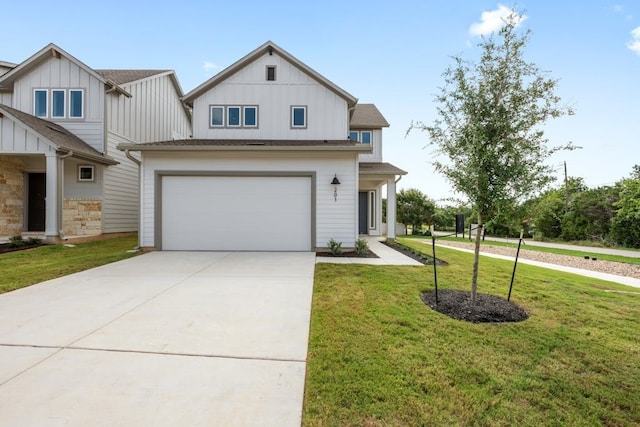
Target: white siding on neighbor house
<point>121,195</point>
<point>15,138</point>
<point>333,218</point>
<point>327,115</point>
<point>376,141</point>
<point>61,73</point>
<point>153,113</point>
<point>6,98</point>
<point>74,188</point>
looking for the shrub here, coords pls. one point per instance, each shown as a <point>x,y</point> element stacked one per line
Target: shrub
<point>33,241</point>
<point>16,241</point>
<point>362,247</point>
<point>335,247</point>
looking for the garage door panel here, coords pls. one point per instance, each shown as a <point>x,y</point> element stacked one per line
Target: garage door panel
<point>236,213</point>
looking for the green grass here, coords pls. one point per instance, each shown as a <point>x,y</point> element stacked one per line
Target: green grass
<point>579,254</point>
<point>31,266</point>
<point>378,356</point>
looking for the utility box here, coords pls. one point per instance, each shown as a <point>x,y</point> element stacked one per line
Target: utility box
<point>460,224</point>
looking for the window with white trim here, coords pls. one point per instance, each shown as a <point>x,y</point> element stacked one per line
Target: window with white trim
<point>233,116</point>
<point>217,116</point>
<point>298,116</point>
<point>40,102</point>
<point>86,173</point>
<point>58,103</point>
<point>76,103</point>
<point>363,136</point>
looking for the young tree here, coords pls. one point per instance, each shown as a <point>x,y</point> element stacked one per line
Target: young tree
<point>414,208</point>
<point>488,127</point>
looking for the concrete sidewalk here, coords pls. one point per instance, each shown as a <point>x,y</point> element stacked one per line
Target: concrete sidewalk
<point>162,339</point>
<point>629,281</point>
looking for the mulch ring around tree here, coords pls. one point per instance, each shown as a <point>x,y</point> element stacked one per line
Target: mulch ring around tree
<point>488,308</point>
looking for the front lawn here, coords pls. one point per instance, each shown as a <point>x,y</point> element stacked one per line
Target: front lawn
<point>31,266</point>
<point>378,356</point>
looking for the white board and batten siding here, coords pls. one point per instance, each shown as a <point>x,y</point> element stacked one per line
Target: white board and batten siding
<point>332,218</point>
<point>327,113</point>
<point>16,138</point>
<point>153,113</point>
<point>61,73</point>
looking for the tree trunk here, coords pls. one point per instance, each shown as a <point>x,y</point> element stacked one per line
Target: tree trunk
<point>476,260</point>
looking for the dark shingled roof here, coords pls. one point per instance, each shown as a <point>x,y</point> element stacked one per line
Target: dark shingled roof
<point>367,116</point>
<point>380,169</point>
<point>61,137</point>
<point>246,144</point>
<point>125,76</point>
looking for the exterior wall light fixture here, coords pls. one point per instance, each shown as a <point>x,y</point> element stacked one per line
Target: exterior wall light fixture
<point>335,182</point>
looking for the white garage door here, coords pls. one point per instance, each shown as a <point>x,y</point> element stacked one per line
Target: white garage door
<point>236,213</point>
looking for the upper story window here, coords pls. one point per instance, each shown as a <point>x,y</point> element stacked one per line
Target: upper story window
<point>57,103</point>
<point>271,73</point>
<point>64,103</point>
<point>250,116</point>
<point>233,116</point>
<point>76,103</point>
<point>363,136</point>
<point>298,116</point>
<point>40,103</point>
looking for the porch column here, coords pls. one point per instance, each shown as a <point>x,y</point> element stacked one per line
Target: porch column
<point>391,208</point>
<point>51,199</point>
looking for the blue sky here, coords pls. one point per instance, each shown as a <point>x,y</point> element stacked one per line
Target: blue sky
<point>388,53</point>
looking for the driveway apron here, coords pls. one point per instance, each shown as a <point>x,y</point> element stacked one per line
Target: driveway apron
<point>165,338</point>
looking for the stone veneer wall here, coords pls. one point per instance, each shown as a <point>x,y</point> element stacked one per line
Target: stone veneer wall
<point>11,196</point>
<point>82,217</point>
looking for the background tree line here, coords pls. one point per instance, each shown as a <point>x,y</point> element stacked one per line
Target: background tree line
<point>570,212</point>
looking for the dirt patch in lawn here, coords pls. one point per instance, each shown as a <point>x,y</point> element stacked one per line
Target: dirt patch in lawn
<point>487,309</point>
<point>418,256</point>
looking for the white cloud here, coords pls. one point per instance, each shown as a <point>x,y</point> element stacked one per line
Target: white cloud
<point>492,21</point>
<point>634,44</point>
<point>210,67</point>
<point>618,8</point>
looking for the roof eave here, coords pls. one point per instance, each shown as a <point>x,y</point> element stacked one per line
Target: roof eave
<point>199,148</point>
<point>105,160</point>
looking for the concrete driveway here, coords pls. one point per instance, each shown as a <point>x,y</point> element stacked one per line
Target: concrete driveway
<point>165,338</point>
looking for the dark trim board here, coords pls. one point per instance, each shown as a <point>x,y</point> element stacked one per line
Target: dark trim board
<point>159,174</point>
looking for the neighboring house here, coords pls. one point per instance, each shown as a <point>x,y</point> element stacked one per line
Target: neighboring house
<point>60,122</point>
<point>281,159</point>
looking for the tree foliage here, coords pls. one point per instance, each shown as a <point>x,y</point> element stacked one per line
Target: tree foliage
<point>487,135</point>
<point>414,208</point>
<point>625,227</point>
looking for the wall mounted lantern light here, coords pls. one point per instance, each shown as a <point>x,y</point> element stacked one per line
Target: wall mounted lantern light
<point>335,182</point>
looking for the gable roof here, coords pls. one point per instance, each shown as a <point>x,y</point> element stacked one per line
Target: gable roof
<point>367,116</point>
<point>128,76</point>
<point>63,139</point>
<point>51,50</point>
<point>268,48</point>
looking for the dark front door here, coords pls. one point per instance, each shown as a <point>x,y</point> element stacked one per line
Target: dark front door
<point>363,215</point>
<point>36,183</point>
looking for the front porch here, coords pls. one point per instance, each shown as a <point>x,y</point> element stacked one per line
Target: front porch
<point>372,178</point>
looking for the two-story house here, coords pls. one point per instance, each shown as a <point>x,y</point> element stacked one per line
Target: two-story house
<point>60,122</point>
<point>281,159</point>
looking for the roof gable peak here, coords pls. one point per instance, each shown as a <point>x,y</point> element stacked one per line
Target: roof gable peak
<point>268,48</point>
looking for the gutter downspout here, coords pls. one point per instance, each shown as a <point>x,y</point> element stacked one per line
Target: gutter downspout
<point>61,191</point>
<point>139,163</point>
